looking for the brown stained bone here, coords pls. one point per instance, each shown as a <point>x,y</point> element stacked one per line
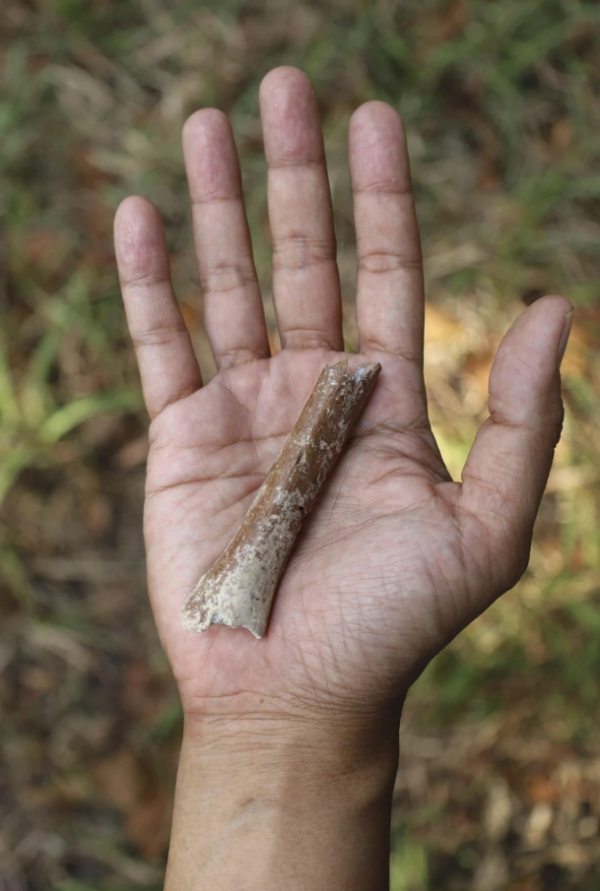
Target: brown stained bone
<point>239,588</point>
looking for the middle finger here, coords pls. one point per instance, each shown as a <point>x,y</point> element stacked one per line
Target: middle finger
<point>306,286</point>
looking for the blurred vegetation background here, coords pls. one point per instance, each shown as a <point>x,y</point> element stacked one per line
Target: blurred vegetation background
<point>499,786</point>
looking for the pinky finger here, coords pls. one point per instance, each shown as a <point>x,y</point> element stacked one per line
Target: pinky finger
<point>168,366</point>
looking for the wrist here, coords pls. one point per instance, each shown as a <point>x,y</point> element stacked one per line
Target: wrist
<point>260,800</point>
<point>325,736</point>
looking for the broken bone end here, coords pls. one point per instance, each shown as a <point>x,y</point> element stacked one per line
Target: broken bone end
<point>197,621</point>
<point>226,597</point>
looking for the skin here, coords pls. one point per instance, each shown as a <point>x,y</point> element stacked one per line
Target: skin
<point>290,743</point>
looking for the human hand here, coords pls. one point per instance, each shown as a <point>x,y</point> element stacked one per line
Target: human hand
<point>396,558</point>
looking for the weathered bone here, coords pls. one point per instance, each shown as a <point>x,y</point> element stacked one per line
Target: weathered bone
<point>238,590</point>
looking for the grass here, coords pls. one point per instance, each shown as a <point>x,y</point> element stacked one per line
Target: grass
<point>502,106</point>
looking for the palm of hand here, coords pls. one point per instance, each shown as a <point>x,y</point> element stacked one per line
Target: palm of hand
<point>386,519</point>
<point>395,558</point>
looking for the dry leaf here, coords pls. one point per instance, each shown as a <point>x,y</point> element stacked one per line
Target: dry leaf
<point>133,454</point>
<point>126,784</point>
<point>440,326</point>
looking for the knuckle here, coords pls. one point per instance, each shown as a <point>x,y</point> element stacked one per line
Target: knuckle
<point>146,279</point>
<point>159,335</point>
<point>223,277</point>
<point>380,262</point>
<point>298,251</point>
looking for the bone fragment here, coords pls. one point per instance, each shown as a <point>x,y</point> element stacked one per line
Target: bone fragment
<point>239,588</point>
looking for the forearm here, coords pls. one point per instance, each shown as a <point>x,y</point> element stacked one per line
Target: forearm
<point>261,808</point>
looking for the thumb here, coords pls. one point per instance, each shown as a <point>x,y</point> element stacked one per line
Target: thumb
<point>508,466</point>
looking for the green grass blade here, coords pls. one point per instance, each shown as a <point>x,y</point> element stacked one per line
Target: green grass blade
<point>70,416</point>
<point>10,411</point>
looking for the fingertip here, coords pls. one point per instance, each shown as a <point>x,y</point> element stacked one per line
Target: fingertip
<point>375,113</point>
<point>525,381</point>
<point>560,299</point>
<point>205,123</point>
<point>137,225</point>
<point>210,154</point>
<point>283,79</point>
<point>378,151</point>
<point>538,326</point>
<point>133,211</point>
<point>139,237</point>
<point>290,118</point>
<point>567,311</point>
<point>554,304</point>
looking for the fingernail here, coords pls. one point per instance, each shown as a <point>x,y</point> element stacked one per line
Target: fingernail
<point>564,337</point>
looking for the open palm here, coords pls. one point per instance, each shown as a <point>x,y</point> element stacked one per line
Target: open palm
<point>396,558</point>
